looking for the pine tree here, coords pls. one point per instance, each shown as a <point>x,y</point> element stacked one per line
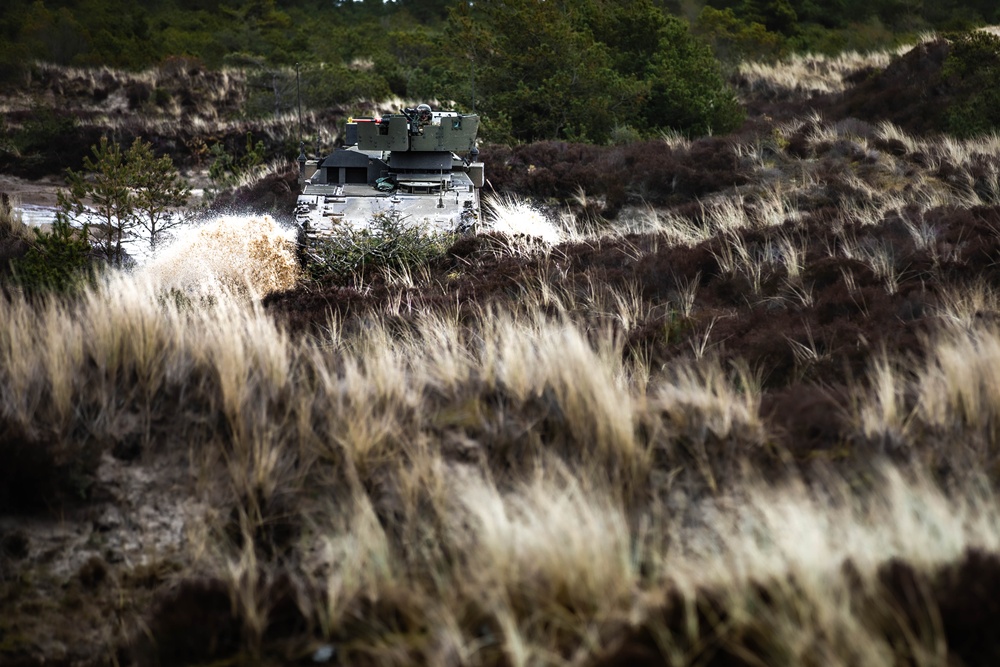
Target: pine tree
<point>577,70</point>
<point>105,181</point>
<point>127,192</point>
<point>158,190</point>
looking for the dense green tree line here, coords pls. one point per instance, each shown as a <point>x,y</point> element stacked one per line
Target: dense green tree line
<point>137,33</point>
<point>580,69</point>
<point>791,17</point>
<point>584,69</point>
<point>759,28</point>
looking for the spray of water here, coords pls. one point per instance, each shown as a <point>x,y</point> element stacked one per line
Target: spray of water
<point>519,219</point>
<point>232,253</point>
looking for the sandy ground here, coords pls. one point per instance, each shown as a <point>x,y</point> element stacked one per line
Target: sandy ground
<point>38,199</point>
<point>43,191</point>
<point>36,193</point>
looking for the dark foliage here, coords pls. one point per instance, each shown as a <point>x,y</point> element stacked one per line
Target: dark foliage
<point>910,92</point>
<point>959,598</point>
<point>195,622</point>
<point>273,195</point>
<point>57,262</point>
<point>44,470</point>
<point>48,141</point>
<point>648,171</point>
<point>964,595</point>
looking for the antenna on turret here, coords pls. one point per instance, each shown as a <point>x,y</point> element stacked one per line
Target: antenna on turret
<point>298,98</point>
<point>472,75</point>
<point>302,144</point>
<point>473,70</point>
<point>473,83</point>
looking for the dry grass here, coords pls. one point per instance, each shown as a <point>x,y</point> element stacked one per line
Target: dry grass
<point>957,392</point>
<point>514,484</point>
<point>411,550</point>
<point>12,227</point>
<point>803,75</point>
<point>518,481</point>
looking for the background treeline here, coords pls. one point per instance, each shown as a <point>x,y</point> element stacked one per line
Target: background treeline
<point>140,33</point>
<point>592,70</point>
<point>762,28</point>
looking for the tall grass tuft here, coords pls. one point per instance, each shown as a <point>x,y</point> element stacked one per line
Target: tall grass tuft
<point>506,482</point>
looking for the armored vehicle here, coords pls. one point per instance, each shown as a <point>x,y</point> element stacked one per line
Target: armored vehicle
<point>420,164</point>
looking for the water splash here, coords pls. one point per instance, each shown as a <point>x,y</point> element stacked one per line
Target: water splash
<point>234,253</point>
<point>519,219</point>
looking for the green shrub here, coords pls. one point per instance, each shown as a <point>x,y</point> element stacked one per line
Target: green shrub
<point>43,130</point>
<point>334,86</point>
<point>622,135</point>
<point>162,97</point>
<point>972,71</point>
<point>228,169</point>
<point>687,91</point>
<point>733,39</point>
<point>573,71</point>
<point>389,243</point>
<point>57,262</point>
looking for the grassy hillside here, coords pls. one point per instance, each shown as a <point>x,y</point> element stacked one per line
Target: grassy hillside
<point>724,401</point>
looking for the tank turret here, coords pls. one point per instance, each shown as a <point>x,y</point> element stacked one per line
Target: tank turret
<point>419,130</point>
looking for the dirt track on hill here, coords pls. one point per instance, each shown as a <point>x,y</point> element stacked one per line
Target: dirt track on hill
<point>38,193</point>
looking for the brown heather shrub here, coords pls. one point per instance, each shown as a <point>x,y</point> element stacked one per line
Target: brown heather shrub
<point>648,171</point>
<point>889,94</point>
<point>754,427</point>
<point>529,466</point>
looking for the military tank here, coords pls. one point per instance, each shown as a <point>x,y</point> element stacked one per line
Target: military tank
<point>420,165</point>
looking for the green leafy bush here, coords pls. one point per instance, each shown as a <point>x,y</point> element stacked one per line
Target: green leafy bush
<point>575,71</point>
<point>390,243</point>
<point>734,39</point>
<point>229,168</point>
<point>339,85</point>
<point>972,69</point>
<point>687,90</point>
<point>56,262</point>
<point>43,128</point>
